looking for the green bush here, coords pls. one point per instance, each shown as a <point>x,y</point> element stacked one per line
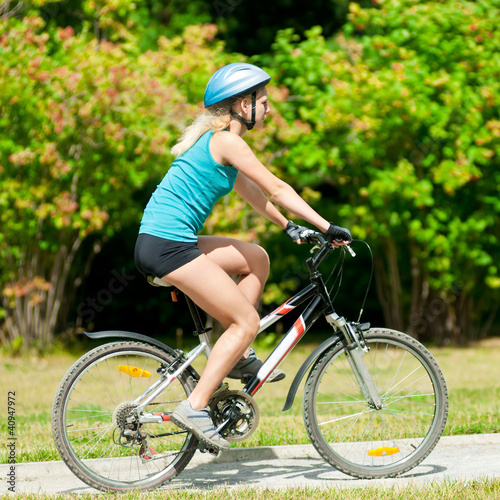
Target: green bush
<point>90,123</point>
<point>391,128</point>
<point>399,114</point>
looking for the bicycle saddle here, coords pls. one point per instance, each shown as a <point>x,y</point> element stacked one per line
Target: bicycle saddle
<point>155,281</point>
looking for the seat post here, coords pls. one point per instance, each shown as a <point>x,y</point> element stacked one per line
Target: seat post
<point>200,331</point>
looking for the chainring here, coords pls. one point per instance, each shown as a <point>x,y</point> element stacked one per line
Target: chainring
<point>241,408</point>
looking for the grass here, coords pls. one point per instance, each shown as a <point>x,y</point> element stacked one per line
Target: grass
<point>474,399</point>
<point>488,489</point>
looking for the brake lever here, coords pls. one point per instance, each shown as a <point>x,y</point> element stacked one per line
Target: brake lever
<point>308,233</point>
<point>350,250</point>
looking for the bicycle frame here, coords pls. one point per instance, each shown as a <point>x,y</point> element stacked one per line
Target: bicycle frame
<point>319,304</point>
<point>316,308</point>
<point>315,292</point>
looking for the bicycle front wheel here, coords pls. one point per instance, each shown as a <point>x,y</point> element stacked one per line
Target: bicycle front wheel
<point>93,419</point>
<point>365,442</point>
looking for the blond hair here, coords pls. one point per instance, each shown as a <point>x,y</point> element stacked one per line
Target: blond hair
<point>215,117</point>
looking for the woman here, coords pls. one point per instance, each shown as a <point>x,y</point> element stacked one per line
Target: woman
<point>212,159</point>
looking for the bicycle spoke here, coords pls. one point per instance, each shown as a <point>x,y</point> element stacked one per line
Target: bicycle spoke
<point>368,442</point>
<point>94,420</point>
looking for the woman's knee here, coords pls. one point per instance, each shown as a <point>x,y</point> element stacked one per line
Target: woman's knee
<point>260,261</point>
<point>254,322</point>
<point>248,323</point>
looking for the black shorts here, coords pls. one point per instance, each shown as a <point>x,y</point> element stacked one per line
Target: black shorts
<point>158,257</point>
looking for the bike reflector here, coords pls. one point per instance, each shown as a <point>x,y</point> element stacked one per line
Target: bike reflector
<point>383,451</point>
<point>133,371</point>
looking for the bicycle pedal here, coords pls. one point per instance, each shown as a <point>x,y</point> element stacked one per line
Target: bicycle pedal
<point>222,388</point>
<point>203,448</point>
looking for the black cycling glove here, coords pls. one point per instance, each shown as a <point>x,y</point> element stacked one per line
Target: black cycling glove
<point>295,231</point>
<point>337,233</point>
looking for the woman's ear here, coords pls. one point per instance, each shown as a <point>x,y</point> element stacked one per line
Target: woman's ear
<point>244,104</point>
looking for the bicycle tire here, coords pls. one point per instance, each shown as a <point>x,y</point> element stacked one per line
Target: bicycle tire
<point>95,394</point>
<point>362,441</point>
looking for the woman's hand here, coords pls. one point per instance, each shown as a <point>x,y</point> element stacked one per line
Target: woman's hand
<point>338,236</point>
<point>296,232</point>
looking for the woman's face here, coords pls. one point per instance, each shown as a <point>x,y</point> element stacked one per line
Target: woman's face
<point>262,108</point>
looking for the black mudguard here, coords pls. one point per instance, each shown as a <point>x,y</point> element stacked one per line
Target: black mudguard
<point>120,334</point>
<point>327,344</point>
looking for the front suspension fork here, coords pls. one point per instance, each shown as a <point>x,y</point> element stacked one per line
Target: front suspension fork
<point>356,349</point>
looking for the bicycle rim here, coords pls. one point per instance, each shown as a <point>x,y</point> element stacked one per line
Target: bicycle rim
<point>91,406</point>
<point>360,440</point>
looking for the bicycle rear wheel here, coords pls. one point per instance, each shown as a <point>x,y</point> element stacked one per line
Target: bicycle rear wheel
<point>362,441</point>
<point>90,413</point>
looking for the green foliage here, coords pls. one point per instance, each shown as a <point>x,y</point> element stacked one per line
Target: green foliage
<point>90,123</point>
<point>245,27</point>
<point>250,27</point>
<point>401,118</point>
<point>392,128</point>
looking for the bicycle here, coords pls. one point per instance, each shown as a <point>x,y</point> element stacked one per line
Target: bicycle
<point>375,401</point>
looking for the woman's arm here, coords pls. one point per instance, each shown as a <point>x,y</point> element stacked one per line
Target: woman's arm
<point>231,149</point>
<point>255,197</point>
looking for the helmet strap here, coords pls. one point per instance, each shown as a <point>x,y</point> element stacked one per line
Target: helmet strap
<point>249,124</point>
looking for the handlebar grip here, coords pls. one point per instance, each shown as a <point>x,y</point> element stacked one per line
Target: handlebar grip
<point>310,236</point>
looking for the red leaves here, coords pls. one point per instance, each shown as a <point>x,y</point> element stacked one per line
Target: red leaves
<point>35,290</point>
<point>21,158</point>
<point>66,33</point>
<point>65,204</point>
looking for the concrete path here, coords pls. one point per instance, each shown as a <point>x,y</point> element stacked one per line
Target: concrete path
<point>455,458</point>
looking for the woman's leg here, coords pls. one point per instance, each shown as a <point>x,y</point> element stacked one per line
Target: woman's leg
<point>247,260</point>
<point>212,289</point>
<point>251,263</point>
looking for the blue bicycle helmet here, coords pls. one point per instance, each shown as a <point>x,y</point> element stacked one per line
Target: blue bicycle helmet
<point>236,80</point>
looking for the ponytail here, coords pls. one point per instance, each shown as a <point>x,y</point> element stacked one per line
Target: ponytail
<point>215,119</point>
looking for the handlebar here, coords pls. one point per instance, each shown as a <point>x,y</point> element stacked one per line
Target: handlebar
<point>310,236</point>
<point>318,239</point>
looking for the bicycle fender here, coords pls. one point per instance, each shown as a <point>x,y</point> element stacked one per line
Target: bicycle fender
<point>305,367</point>
<point>121,334</point>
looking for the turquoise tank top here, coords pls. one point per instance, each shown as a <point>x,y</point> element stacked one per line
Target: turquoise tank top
<point>185,197</point>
